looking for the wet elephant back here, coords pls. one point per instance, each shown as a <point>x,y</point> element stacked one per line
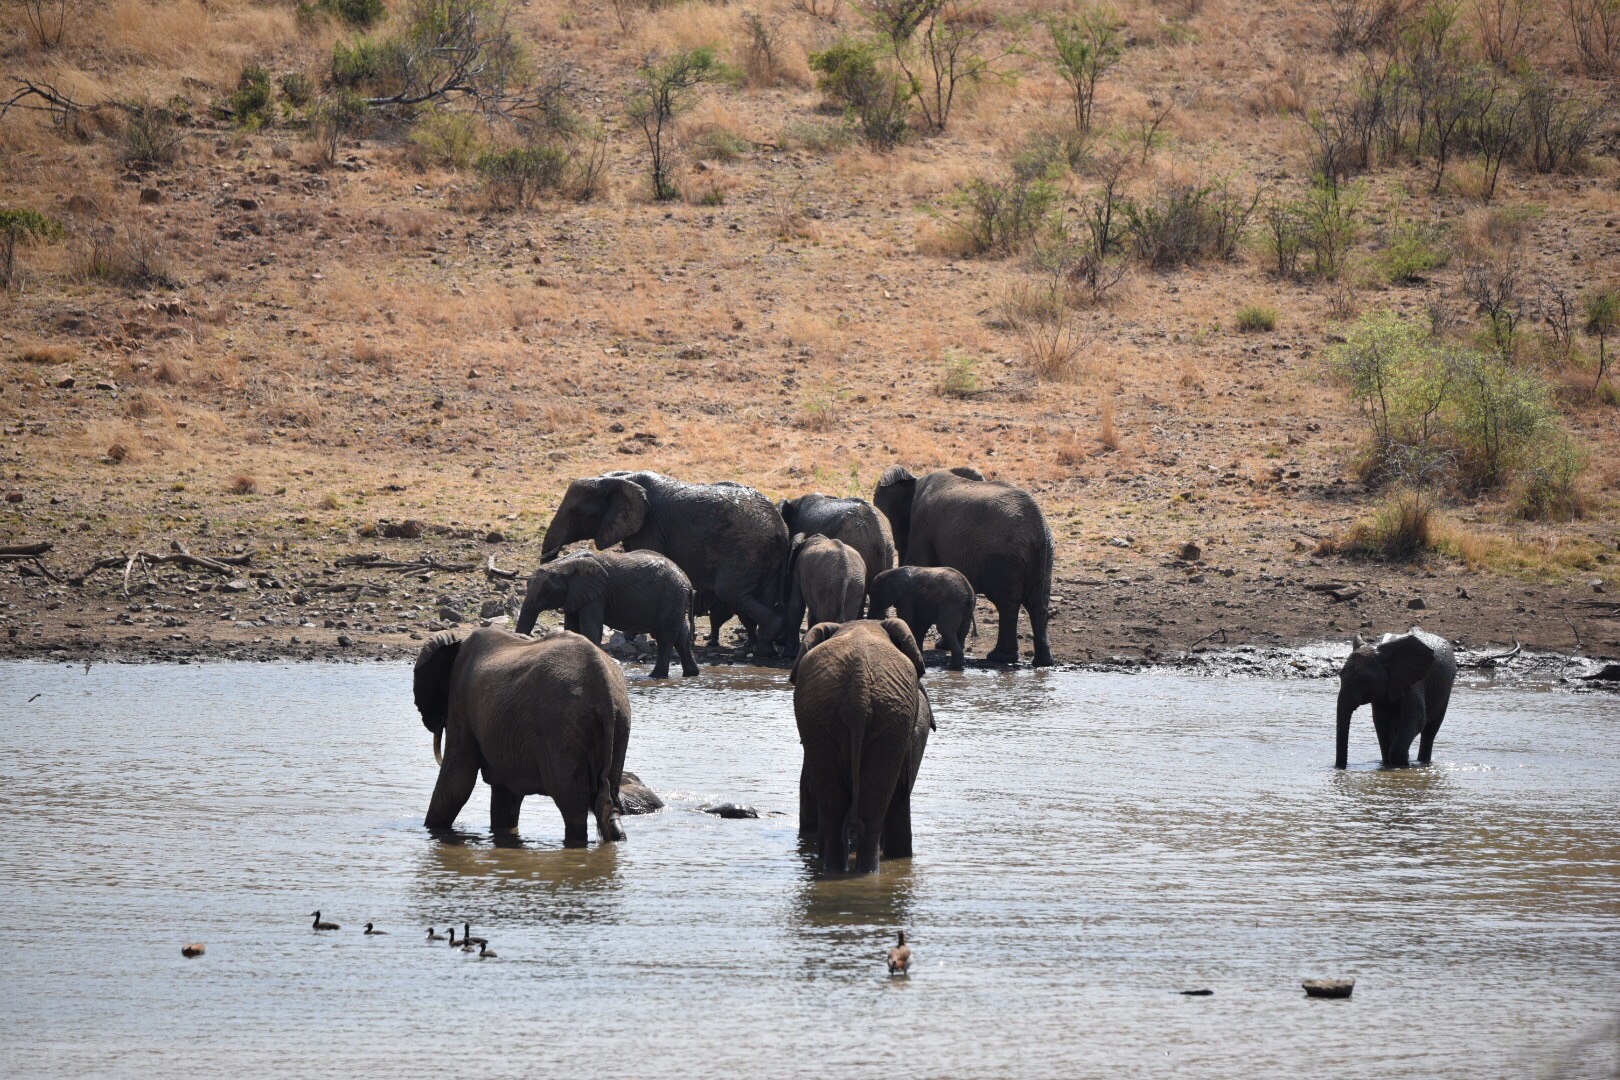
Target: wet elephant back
<point>646,592</point>
<point>706,529</point>
<point>1008,537</point>
<point>854,521</point>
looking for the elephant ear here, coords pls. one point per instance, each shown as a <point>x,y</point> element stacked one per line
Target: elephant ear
<point>967,472</point>
<point>895,474</point>
<point>587,580</point>
<point>431,683</point>
<point>1407,659</point>
<point>818,633</point>
<point>900,634</point>
<point>625,513</point>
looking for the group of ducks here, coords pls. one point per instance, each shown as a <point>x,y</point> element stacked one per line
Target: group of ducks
<point>466,944</point>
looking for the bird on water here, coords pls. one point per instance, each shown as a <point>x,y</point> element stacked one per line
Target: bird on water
<point>484,952</point>
<point>900,957</point>
<point>373,933</point>
<point>466,936</point>
<point>195,948</point>
<point>436,937</point>
<point>323,925</point>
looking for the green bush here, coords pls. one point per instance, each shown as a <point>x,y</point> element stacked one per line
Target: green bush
<point>447,139</point>
<point>358,13</point>
<point>297,88</point>
<point>1186,223</point>
<point>816,137</point>
<point>19,226</point>
<point>1256,318</point>
<point>1412,253</point>
<point>361,62</point>
<point>717,144</point>
<point>1401,528</point>
<point>520,175</point>
<point>251,103</point>
<point>961,380</point>
<point>1001,217</point>
<point>1546,489</point>
<point>876,97</point>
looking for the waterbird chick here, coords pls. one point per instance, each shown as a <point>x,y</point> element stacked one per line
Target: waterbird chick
<point>194,948</point>
<point>436,937</point>
<point>374,933</point>
<point>323,925</point>
<point>900,957</point>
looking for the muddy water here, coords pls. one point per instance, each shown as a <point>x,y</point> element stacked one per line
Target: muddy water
<point>1088,845</point>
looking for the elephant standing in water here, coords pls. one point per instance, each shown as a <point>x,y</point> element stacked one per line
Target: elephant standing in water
<point>924,596</point>
<point>728,539</point>
<point>1407,679</point>
<point>637,592</point>
<point>546,717</point>
<point>854,521</point>
<point>863,721</point>
<point>827,578</point>
<point>992,532</point>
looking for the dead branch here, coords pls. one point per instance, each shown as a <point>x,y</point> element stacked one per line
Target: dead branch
<point>42,97</point>
<point>491,571</point>
<point>377,562</point>
<point>24,551</point>
<point>1500,658</point>
<point>224,564</point>
<point>1208,637</point>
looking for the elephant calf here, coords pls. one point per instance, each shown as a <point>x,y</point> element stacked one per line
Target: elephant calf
<point>638,592</point>
<point>1407,679</point>
<point>827,577</point>
<point>925,596</point>
<point>863,720</point>
<point>547,717</point>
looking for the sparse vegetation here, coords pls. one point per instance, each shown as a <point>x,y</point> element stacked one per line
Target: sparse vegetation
<point>665,86</point>
<point>1256,319</point>
<point>1601,312</point>
<point>961,378</point>
<point>874,96</point>
<point>1402,528</point>
<point>1085,47</point>
<point>1001,217</point>
<point>20,226</point>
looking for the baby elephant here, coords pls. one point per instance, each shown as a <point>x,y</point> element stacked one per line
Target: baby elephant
<point>1407,678</point>
<point>825,576</point>
<point>925,596</point>
<point>638,592</point>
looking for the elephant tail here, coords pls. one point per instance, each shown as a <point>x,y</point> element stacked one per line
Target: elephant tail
<point>605,799</point>
<point>852,821</point>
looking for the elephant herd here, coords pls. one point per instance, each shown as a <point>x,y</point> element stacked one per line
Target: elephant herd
<point>551,715</point>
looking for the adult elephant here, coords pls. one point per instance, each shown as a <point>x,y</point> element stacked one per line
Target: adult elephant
<point>727,538</point>
<point>535,717</point>
<point>854,521</point>
<point>1407,679</point>
<point>863,721</point>
<point>992,532</point>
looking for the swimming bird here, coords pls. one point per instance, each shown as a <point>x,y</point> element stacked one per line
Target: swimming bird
<point>466,936</point>
<point>436,937</point>
<point>372,932</point>
<point>323,925</point>
<point>484,953</point>
<point>900,957</point>
<point>195,948</point>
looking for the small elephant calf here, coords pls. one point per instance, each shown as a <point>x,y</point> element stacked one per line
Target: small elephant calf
<point>925,596</point>
<point>638,592</point>
<point>1407,679</point>
<point>827,577</point>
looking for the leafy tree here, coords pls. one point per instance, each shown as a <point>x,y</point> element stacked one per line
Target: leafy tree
<point>665,85</point>
<point>22,225</point>
<point>1086,47</point>
<point>1602,312</point>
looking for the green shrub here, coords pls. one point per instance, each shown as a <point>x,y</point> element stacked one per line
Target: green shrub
<point>1186,223</point>
<point>520,175</point>
<point>19,226</point>
<point>1001,217</point>
<point>1412,253</point>
<point>361,62</point>
<point>358,13</point>
<point>817,137</point>
<point>876,97</point>
<point>297,88</point>
<point>715,143</point>
<point>961,380</point>
<point>1401,528</point>
<point>1256,318</point>
<point>1546,489</point>
<point>339,113</point>
<point>449,139</point>
<point>250,105</point>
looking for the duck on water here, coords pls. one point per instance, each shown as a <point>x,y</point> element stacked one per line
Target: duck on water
<point>323,925</point>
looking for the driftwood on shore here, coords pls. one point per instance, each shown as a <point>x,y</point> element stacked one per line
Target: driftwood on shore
<point>422,565</point>
<point>29,554</point>
<point>178,555</point>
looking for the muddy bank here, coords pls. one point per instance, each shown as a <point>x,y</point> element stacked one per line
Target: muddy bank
<point>1125,611</point>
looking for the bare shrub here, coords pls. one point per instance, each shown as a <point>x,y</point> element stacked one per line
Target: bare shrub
<point>1594,26</point>
<point>243,484</point>
<point>1363,24</point>
<point>1049,329</point>
<point>150,136</point>
<point>761,50</point>
<point>48,21</point>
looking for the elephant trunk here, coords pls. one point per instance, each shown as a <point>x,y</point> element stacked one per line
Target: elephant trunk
<point>438,757</point>
<point>1341,750</point>
<point>530,613</point>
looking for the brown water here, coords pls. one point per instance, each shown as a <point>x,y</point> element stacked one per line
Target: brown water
<point>1087,846</point>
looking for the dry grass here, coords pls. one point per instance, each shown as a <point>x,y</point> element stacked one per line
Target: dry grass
<point>243,484</point>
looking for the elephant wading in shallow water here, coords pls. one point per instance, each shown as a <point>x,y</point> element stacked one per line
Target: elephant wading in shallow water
<point>854,521</point>
<point>827,578</point>
<point>728,539</point>
<point>1407,679</point>
<point>536,717</point>
<point>863,721</point>
<point>638,592</point>
<point>992,532</point>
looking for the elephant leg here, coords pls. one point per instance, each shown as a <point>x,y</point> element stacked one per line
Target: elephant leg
<point>571,621</point>
<point>1426,741</point>
<point>808,821</point>
<point>867,837</point>
<point>1037,630</point>
<point>719,614</point>
<point>590,623</point>
<point>949,639</point>
<point>457,776</point>
<point>1006,650</point>
<point>665,650</point>
<point>834,840</point>
<point>919,629</point>
<point>504,807</point>
<point>683,645</point>
<point>576,811</point>
<point>897,826</point>
<point>766,621</point>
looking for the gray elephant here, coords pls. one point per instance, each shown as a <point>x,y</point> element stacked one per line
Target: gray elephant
<point>638,592</point>
<point>636,797</point>
<point>854,521</point>
<point>925,596</point>
<point>728,539</point>
<point>1407,678</point>
<point>535,717</point>
<point>863,720</point>
<point>992,532</point>
<point>827,578</point>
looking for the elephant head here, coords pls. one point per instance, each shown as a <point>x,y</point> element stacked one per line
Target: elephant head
<point>432,684</point>
<point>1377,673</point>
<point>893,496</point>
<point>881,594</point>
<point>606,509</point>
<point>898,632</point>
<point>569,585</point>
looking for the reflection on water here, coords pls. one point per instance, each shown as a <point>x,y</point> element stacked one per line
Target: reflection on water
<point>1087,845</point>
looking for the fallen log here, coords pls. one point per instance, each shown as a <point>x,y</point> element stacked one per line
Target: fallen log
<point>24,551</point>
<point>491,571</point>
<point>1500,658</point>
<point>179,556</point>
<point>377,562</point>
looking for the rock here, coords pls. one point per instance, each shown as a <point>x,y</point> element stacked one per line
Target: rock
<point>1328,988</point>
<point>1417,604</point>
<point>494,536</point>
<point>731,810</point>
<point>409,529</point>
<point>107,384</point>
<point>344,640</point>
<point>1190,552</point>
<point>80,204</point>
<point>491,608</point>
<point>247,203</point>
<point>234,585</point>
<point>1462,593</point>
<point>151,196</point>
<point>65,382</point>
<point>1197,993</point>
<point>14,496</point>
<point>1597,586</point>
<point>193,948</point>
<point>636,797</point>
<point>450,615</point>
<point>1607,673</point>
